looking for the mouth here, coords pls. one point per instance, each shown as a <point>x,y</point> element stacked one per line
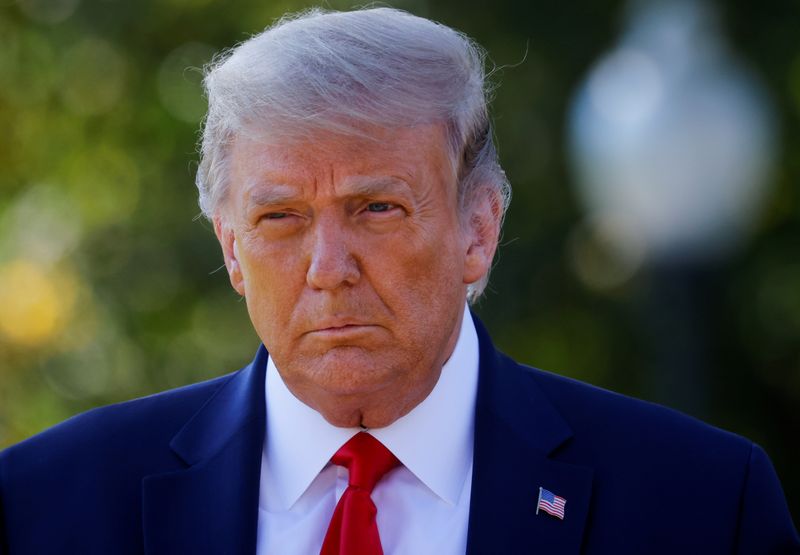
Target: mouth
<point>344,328</point>
<point>341,329</point>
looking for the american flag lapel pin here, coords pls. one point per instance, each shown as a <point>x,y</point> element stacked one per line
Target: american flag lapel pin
<point>551,503</point>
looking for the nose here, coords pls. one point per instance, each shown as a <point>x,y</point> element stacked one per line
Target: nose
<point>332,261</point>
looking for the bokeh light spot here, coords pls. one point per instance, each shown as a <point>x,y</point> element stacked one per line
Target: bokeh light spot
<point>41,224</point>
<point>626,87</point>
<point>35,305</point>
<point>48,11</point>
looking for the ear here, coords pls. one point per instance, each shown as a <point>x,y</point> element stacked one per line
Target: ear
<point>485,213</point>
<point>230,252</point>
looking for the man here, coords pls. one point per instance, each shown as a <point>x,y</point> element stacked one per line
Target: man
<point>349,170</point>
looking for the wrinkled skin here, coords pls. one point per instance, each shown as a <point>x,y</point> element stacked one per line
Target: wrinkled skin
<point>354,261</point>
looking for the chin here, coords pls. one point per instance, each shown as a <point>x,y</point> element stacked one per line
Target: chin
<point>341,370</point>
<point>356,383</point>
<point>361,417</point>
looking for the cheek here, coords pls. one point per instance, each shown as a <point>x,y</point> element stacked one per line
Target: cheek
<point>264,262</point>
<point>273,277</point>
<point>421,271</point>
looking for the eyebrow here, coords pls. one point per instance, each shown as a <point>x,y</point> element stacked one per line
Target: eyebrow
<point>275,193</point>
<point>271,195</point>
<point>371,185</point>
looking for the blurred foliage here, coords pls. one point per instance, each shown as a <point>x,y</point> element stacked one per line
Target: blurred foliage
<point>109,284</point>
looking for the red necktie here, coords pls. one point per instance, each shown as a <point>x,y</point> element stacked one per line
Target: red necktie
<point>353,530</point>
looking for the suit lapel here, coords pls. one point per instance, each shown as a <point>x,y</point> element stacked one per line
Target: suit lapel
<point>212,505</point>
<point>517,434</point>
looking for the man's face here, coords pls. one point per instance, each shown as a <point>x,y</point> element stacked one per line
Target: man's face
<point>354,262</point>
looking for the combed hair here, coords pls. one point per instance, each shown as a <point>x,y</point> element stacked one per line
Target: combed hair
<point>343,72</point>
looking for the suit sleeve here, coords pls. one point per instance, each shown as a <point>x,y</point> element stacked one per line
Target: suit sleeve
<point>3,539</point>
<point>765,525</point>
<point>2,529</point>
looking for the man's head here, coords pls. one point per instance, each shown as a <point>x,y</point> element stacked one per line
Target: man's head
<point>349,169</point>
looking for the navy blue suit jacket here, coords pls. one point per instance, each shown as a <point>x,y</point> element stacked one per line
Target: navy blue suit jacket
<point>178,473</point>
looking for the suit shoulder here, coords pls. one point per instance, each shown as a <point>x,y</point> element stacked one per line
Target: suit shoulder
<point>117,428</point>
<point>616,418</point>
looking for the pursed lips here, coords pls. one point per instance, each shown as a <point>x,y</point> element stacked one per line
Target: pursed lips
<point>340,327</point>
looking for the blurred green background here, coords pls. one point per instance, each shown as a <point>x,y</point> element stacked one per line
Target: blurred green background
<point>110,285</point>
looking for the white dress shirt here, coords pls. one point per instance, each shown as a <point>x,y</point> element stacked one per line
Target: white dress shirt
<point>423,505</point>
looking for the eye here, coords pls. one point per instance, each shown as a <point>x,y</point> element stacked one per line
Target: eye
<point>279,218</point>
<point>379,207</point>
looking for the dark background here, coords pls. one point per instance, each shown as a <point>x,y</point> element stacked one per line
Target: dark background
<point>109,284</point>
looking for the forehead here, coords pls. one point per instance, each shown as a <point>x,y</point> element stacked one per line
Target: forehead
<point>408,154</point>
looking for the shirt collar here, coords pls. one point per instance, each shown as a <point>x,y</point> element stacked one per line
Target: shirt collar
<point>434,441</point>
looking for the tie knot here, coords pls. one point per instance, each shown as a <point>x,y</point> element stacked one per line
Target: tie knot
<point>366,460</point>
